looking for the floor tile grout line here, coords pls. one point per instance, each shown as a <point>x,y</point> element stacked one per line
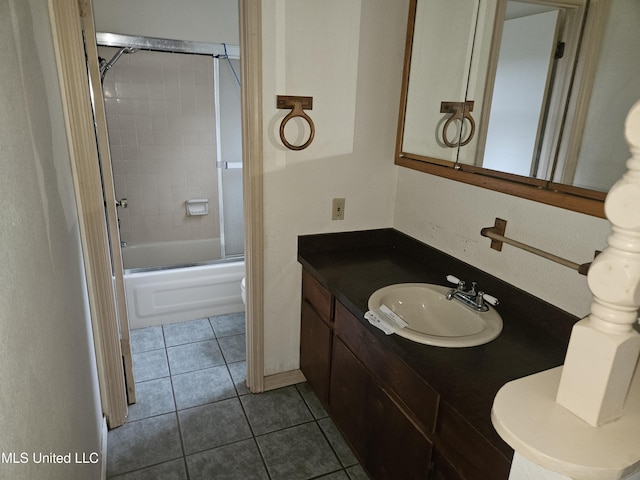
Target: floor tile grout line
<point>200,368</point>
<point>128,472</point>
<point>316,420</point>
<point>237,396</point>
<point>264,462</point>
<point>175,405</point>
<point>180,427</point>
<point>233,382</point>
<point>333,449</point>
<point>186,468</point>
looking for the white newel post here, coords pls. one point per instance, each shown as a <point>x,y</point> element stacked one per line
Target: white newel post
<point>572,422</point>
<point>603,350</point>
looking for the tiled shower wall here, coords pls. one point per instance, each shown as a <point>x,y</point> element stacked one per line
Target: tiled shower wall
<point>161,120</point>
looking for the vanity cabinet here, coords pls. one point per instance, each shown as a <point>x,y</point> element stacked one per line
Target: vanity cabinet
<point>397,425</point>
<point>316,336</point>
<point>384,438</point>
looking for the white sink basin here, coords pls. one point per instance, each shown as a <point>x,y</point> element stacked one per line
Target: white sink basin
<point>434,320</point>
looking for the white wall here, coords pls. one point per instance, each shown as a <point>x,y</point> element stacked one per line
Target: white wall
<point>616,89</point>
<point>49,399</point>
<point>334,51</point>
<point>214,21</point>
<point>449,216</point>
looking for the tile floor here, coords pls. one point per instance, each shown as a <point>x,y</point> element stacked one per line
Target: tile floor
<point>195,418</point>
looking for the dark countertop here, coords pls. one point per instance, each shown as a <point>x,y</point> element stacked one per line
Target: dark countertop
<point>535,334</point>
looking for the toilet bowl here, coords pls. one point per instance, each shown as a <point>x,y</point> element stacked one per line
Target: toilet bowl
<point>243,291</point>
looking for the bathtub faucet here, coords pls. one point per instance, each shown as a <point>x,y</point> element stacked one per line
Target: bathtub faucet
<point>123,244</point>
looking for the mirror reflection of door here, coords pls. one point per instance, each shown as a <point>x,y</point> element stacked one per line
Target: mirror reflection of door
<point>445,79</point>
<point>522,82</point>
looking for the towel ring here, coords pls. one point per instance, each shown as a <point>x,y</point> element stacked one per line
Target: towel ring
<point>298,105</point>
<point>459,111</point>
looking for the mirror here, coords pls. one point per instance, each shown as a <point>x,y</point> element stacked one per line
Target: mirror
<point>525,97</point>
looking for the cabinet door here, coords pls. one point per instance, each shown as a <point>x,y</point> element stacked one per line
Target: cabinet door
<point>386,442</point>
<point>465,448</point>
<point>441,469</point>
<point>315,351</point>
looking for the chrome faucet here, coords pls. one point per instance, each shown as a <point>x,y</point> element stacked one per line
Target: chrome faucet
<point>472,298</point>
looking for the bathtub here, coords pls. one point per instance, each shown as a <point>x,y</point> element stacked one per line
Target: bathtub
<point>164,254</point>
<point>162,296</point>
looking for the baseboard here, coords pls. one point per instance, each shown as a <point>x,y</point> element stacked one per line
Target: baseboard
<point>283,379</point>
<point>103,449</point>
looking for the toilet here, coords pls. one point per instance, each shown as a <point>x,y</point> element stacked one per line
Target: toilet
<point>243,291</point>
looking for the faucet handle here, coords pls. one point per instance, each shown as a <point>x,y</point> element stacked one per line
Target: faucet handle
<point>457,281</point>
<point>490,299</point>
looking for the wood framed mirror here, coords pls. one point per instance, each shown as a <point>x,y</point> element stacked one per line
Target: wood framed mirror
<point>524,97</point>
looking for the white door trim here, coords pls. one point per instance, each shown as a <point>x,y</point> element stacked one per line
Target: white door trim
<point>72,71</point>
<point>93,66</point>
<point>250,13</point>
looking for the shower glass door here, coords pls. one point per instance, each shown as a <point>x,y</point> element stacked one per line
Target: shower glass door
<point>173,114</point>
<point>229,135</point>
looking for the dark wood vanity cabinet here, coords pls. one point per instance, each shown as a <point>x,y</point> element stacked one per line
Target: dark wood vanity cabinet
<point>396,424</point>
<point>387,443</point>
<point>316,336</point>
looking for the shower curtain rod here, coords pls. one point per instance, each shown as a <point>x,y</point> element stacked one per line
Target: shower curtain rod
<point>167,45</point>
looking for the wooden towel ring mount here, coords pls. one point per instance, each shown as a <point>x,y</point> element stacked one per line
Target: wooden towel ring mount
<point>297,105</point>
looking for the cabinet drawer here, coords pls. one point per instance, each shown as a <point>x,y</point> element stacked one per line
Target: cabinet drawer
<point>473,456</point>
<point>418,397</point>
<point>317,296</point>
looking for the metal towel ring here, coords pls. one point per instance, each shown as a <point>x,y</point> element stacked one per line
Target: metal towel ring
<point>298,105</point>
<point>459,111</point>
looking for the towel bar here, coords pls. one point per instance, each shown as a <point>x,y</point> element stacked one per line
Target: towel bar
<point>496,234</point>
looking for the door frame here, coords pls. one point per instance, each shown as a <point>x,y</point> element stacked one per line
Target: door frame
<point>250,20</point>
<point>69,48</point>
<point>109,192</point>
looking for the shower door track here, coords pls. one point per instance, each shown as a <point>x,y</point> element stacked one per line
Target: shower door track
<point>166,45</point>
